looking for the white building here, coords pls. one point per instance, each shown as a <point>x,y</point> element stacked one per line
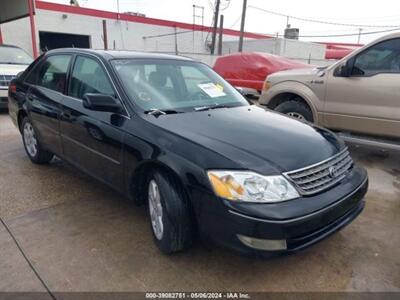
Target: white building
<point>312,53</point>
<point>56,25</point>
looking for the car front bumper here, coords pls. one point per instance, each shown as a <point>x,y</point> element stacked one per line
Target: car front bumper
<point>265,229</point>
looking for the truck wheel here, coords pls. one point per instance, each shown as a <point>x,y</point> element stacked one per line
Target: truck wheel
<point>296,110</point>
<point>32,146</point>
<point>169,213</point>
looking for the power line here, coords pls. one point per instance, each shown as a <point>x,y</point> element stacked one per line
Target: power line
<point>166,34</point>
<point>211,4</point>
<point>227,4</point>
<point>348,34</point>
<point>353,34</point>
<point>365,19</point>
<point>320,21</point>
<point>328,31</point>
<point>236,21</point>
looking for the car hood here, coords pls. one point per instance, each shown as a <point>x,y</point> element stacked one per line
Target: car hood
<point>6,69</point>
<point>253,138</point>
<point>296,74</point>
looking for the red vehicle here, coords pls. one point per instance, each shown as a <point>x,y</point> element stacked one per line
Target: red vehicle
<point>249,70</point>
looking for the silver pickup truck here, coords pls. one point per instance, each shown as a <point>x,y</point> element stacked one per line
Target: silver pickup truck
<point>358,96</point>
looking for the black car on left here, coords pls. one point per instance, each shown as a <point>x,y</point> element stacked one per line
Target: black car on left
<point>170,133</point>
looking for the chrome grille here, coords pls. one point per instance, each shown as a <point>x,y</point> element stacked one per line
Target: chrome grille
<point>319,177</point>
<point>5,80</point>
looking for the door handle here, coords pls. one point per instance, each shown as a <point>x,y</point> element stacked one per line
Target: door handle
<point>67,116</point>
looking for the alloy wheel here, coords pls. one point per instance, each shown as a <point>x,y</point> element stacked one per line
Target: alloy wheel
<point>155,209</point>
<point>296,115</point>
<point>30,139</point>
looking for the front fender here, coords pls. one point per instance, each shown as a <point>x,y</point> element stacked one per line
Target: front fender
<point>296,88</point>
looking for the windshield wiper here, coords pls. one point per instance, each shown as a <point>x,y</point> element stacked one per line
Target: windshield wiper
<point>215,106</point>
<point>158,112</point>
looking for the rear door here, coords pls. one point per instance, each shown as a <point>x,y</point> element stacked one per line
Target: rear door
<point>368,101</point>
<point>47,85</point>
<point>92,140</point>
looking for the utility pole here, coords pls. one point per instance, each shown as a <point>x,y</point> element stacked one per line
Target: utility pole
<point>221,34</point>
<point>176,41</point>
<point>194,25</point>
<point>359,35</point>
<point>214,34</point>
<point>105,38</point>
<point>242,25</point>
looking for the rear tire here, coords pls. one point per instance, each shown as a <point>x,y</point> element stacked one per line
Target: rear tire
<point>296,109</point>
<point>36,153</point>
<point>170,218</point>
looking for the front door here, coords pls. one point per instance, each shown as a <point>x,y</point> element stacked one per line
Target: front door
<point>367,101</point>
<point>92,139</point>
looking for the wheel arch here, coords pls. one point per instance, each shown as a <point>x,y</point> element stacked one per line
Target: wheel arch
<point>138,185</point>
<point>287,91</point>
<point>138,178</point>
<point>20,116</point>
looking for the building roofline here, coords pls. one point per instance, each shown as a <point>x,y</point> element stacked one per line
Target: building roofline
<point>137,19</point>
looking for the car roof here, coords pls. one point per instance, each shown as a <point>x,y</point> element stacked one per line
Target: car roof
<point>387,37</point>
<point>119,54</point>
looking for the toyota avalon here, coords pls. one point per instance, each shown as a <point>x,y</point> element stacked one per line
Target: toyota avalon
<point>170,133</point>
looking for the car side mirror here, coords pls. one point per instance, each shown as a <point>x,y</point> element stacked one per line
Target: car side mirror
<point>244,94</point>
<point>344,70</point>
<point>240,90</point>
<point>101,102</point>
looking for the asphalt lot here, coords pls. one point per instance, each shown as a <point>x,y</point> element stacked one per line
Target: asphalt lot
<point>82,236</point>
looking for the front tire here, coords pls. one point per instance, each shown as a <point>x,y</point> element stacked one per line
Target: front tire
<point>169,213</point>
<point>36,153</point>
<point>296,110</point>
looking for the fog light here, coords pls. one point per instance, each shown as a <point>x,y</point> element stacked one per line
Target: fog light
<point>261,244</point>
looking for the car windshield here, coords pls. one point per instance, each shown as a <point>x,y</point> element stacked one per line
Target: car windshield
<point>166,84</point>
<point>14,56</point>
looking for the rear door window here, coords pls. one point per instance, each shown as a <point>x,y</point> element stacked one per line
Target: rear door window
<point>52,73</point>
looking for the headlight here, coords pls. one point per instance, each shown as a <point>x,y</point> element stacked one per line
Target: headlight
<point>251,187</point>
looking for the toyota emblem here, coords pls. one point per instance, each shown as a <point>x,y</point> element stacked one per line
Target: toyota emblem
<point>333,172</point>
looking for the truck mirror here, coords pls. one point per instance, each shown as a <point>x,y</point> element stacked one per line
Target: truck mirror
<point>343,70</point>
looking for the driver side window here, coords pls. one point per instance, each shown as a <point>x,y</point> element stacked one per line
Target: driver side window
<point>89,77</point>
<point>380,58</point>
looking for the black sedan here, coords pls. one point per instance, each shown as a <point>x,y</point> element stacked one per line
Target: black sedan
<point>169,132</point>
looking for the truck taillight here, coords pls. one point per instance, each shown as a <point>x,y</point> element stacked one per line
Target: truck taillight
<point>12,88</point>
